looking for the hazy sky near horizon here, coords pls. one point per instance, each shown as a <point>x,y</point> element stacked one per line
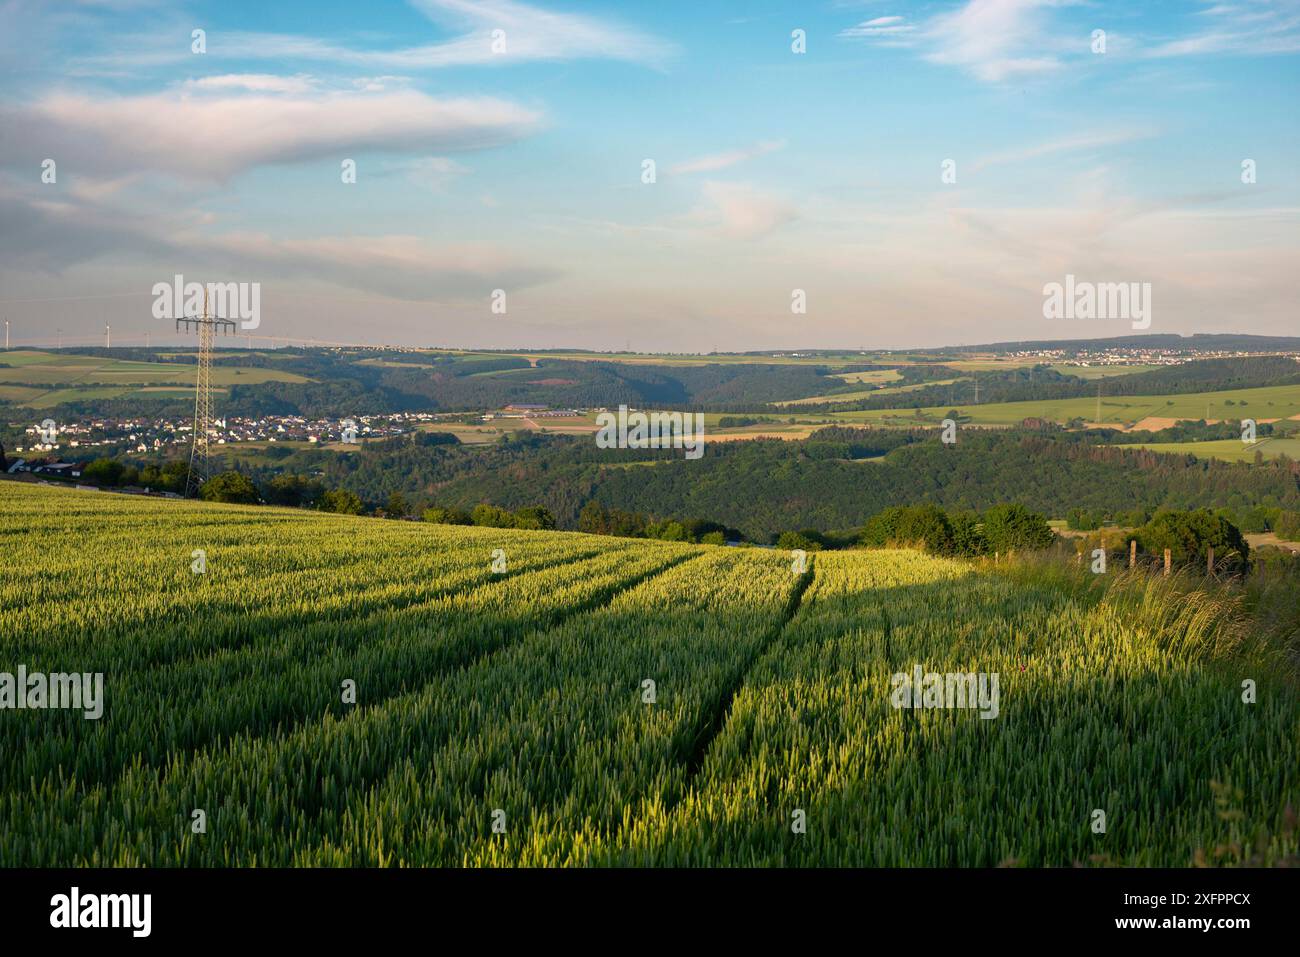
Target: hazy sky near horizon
<point>515,161</point>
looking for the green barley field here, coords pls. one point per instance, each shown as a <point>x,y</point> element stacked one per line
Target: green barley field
<point>556,699</point>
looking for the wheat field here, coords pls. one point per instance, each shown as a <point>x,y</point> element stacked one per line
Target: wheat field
<point>292,688</point>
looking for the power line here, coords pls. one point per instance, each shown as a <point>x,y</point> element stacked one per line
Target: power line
<point>207,328</point>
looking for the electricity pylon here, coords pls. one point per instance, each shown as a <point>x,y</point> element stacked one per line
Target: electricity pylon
<point>208,328</point>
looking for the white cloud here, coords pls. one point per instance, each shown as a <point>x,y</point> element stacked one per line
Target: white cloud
<point>530,33</point>
<point>256,82</point>
<point>216,136</point>
<point>881,28</point>
<point>993,39</point>
<point>717,161</point>
<point>1004,40</point>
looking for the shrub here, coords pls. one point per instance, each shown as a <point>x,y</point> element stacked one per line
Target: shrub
<point>1011,526</point>
<point>792,540</point>
<point>103,472</point>
<point>668,531</point>
<point>925,525</point>
<point>534,517</point>
<point>447,516</point>
<point>490,516</point>
<point>968,535</point>
<point>1188,536</point>
<point>293,490</point>
<point>230,487</point>
<point>341,501</point>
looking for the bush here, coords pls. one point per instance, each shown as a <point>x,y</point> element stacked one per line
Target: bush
<point>668,531</point>
<point>534,517</point>
<point>925,525</point>
<point>1189,535</point>
<point>293,490</point>
<point>103,472</point>
<point>447,516</point>
<point>1011,527</point>
<point>490,516</point>
<point>230,487</point>
<point>968,535</point>
<point>713,538</point>
<point>176,475</point>
<point>789,541</point>
<point>1081,520</point>
<point>341,501</point>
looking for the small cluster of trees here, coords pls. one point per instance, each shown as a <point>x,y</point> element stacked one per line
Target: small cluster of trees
<point>531,517</point>
<point>295,491</point>
<point>1256,518</point>
<point>599,520</point>
<point>110,473</point>
<point>1002,528</point>
<point>1188,535</point>
<point>292,490</point>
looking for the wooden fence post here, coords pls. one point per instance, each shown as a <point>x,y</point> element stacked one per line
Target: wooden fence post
<point>1168,561</point>
<point>1209,561</point>
<point>1132,553</point>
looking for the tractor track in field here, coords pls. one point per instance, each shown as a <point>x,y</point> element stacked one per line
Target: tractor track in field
<point>717,716</point>
<point>467,658</point>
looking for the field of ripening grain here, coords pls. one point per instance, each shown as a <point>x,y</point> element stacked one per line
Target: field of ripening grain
<point>285,687</point>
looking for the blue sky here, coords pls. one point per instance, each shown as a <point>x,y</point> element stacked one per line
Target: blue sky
<point>483,167</point>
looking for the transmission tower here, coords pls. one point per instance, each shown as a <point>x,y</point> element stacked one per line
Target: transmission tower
<point>207,328</point>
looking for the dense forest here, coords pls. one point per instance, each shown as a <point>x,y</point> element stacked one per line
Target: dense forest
<point>834,480</point>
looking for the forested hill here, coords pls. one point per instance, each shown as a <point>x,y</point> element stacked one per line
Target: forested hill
<point>440,383</point>
<point>1039,383</point>
<point>835,480</point>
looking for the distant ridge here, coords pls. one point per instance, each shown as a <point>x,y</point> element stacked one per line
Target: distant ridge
<point>1198,341</point>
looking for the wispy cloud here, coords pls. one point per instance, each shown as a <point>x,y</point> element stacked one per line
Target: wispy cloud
<point>256,82</point>
<point>1005,40</point>
<point>1069,144</point>
<point>1248,27</point>
<point>993,39</point>
<point>717,161</point>
<point>894,29</point>
<point>496,32</point>
<point>217,136</point>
